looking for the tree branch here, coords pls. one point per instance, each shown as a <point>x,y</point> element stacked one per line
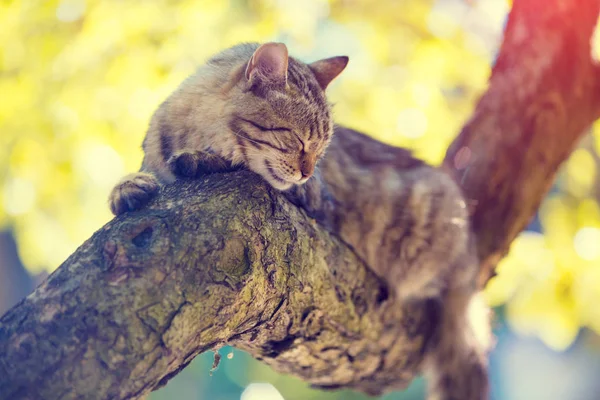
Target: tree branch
<point>544,92</point>
<point>218,261</point>
<point>208,263</point>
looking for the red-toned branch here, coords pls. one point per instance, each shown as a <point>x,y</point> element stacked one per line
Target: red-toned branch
<point>544,92</point>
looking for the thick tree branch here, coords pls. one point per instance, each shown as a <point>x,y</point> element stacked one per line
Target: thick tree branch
<point>208,263</point>
<point>229,261</point>
<point>544,92</point>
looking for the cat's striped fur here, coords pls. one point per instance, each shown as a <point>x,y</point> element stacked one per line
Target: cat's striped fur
<point>410,224</point>
<point>255,107</point>
<point>251,106</point>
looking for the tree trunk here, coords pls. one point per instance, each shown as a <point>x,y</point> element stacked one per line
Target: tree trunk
<point>230,261</point>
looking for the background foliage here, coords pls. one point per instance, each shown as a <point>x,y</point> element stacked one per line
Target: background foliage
<point>80,79</point>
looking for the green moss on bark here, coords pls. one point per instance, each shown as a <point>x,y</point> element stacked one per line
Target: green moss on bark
<point>208,263</point>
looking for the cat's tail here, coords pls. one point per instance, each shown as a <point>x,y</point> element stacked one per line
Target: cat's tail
<point>456,364</point>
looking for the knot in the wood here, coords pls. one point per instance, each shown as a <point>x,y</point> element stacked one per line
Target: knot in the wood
<point>133,245</point>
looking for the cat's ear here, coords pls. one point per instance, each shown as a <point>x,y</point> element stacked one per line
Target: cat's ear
<point>269,64</point>
<point>328,69</point>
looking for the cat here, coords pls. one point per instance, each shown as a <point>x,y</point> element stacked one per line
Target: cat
<point>253,106</point>
<point>249,106</point>
<point>409,222</point>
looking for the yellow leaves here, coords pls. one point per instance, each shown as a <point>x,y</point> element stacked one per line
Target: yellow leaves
<point>70,10</point>
<point>443,24</point>
<point>91,154</point>
<point>429,60</point>
<point>381,104</point>
<point>547,310</point>
<point>545,297</point>
<point>586,242</point>
<point>529,261</point>
<point>299,19</point>
<point>580,169</point>
<point>12,55</point>
<point>588,213</point>
<point>22,96</point>
<point>423,93</point>
<point>19,196</point>
<point>551,282</point>
<point>412,122</point>
<point>559,226</point>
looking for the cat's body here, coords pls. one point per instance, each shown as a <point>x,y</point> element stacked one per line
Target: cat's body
<point>408,221</point>
<point>405,219</point>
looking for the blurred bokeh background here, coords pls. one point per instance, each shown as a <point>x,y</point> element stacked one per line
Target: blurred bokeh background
<point>80,79</point>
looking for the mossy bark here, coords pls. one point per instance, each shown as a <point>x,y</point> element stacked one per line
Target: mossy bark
<point>208,263</point>
<point>229,261</point>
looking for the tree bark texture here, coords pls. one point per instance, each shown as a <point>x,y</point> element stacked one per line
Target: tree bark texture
<point>209,263</point>
<point>230,261</point>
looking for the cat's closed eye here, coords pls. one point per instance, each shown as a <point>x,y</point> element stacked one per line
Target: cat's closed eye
<point>265,127</point>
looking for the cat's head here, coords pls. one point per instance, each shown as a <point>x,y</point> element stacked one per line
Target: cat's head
<point>281,119</point>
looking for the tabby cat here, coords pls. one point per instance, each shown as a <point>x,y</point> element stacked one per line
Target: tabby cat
<point>247,106</point>
<point>254,106</point>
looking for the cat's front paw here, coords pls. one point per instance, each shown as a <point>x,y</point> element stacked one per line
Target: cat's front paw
<point>133,192</point>
<point>184,164</point>
<point>193,164</point>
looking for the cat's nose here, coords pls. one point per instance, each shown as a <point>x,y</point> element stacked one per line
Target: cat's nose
<point>307,167</point>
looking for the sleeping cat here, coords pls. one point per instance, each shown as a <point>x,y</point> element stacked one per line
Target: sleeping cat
<point>247,106</point>
<point>253,106</point>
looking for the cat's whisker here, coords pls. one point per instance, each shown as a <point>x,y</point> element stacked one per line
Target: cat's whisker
<point>263,154</point>
<point>274,163</point>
